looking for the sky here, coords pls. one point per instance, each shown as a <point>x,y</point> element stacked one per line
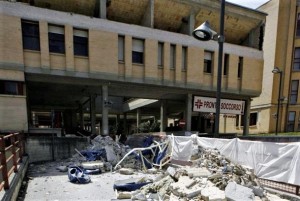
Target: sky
<point>248,3</point>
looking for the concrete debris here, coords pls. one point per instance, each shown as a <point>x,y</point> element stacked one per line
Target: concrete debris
<point>236,192</point>
<point>211,177</point>
<point>126,171</point>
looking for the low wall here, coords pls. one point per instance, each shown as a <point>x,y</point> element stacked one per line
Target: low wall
<point>284,139</point>
<point>48,148</point>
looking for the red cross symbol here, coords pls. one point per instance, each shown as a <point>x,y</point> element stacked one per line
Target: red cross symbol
<point>198,103</point>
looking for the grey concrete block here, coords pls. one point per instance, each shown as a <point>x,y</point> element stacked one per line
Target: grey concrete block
<point>236,192</point>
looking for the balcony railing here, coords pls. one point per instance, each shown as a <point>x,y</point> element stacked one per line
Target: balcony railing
<point>12,148</point>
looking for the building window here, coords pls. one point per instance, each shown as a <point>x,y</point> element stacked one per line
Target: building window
<point>137,51</point>
<point>160,54</point>
<point>208,62</point>
<point>240,67</point>
<point>184,58</point>
<point>11,87</point>
<point>30,35</point>
<point>121,46</point>
<point>291,121</point>
<point>56,39</point>
<point>80,40</point>
<point>294,91</point>
<point>172,56</point>
<point>253,119</point>
<point>298,25</point>
<point>296,59</point>
<point>237,120</point>
<point>226,64</point>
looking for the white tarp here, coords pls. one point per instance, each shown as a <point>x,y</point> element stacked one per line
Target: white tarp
<point>273,161</point>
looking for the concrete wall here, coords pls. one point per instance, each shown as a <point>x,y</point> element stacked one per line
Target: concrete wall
<point>102,62</point>
<point>48,148</point>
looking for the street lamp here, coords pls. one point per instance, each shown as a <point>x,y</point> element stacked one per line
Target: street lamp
<point>276,70</point>
<point>204,33</point>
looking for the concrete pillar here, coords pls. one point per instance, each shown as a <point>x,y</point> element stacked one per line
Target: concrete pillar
<point>188,116</point>
<point>125,124</point>
<point>93,113</point>
<point>188,24</point>
<point>105,130</point>
<point>81,117</point>
<point>138,119</point>
<point>163,115</point>
<point>45,58</point>
<point>69,48</point>
<point>246,117</point>
<point>102,9</point>
<point>148,18</point>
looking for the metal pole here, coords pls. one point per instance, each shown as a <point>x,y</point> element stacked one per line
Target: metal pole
<point>278,102</point>
<point>220,61</point>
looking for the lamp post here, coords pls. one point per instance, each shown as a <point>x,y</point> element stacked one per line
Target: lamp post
<point>204,33</point>
<point>276,70</point>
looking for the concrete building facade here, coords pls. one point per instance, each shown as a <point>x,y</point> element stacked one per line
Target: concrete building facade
<point>281,47</point>
<point>94,64</point>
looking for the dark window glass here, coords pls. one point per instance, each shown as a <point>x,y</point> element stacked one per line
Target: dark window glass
<point>56,43</point>
<point>291,121</point>
<point>160,54</point>
<point>137,57</point>
<point>184,58</point>
<point>137,51</point>
<point>253,119</point>
<point>226,64</point>
<point>30,35</point>
<point>237,120</point>
<point>298,25</point>
<point>294,91</point>
<point>11,87</point>
<point>296,59</point>
<point>173,56</point>
<point>80,46</point>
<point>208,62</point>
<point>240,67</point>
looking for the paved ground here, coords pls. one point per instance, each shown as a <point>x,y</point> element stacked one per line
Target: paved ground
<point>48,184</point>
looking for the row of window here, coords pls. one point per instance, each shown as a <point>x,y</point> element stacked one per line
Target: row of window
<point>56,36</point>
<point>11,87</point>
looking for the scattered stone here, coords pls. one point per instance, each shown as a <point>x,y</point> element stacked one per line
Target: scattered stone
<point>236,192</point>
<point>91,165</point>
<point>212,193</point>
<point>126,171</point>
<point>62,168</point>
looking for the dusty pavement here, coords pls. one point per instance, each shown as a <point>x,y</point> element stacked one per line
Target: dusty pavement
<point>46,183</point>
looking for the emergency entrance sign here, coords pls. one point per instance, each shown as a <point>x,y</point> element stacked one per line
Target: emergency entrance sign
<point>205,104</point>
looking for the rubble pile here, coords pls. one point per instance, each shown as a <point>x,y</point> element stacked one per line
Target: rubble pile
<point>211,177</point>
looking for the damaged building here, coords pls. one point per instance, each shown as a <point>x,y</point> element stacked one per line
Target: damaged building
<point>118,66</point>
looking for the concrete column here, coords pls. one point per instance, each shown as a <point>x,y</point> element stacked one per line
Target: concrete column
<point>148,18</point>
<point>44,43</point>
<point>163,115</point>
<point>69,48</point>
<point>138,119</point>
<point>102,9</point>
<point>187,26</point>
<point>188,116</point>
<point>105,130</point>
<point>81,117</point>
<point>246,117</point>
<point>93,113</point>
<point>125,124</point>
<point>117,119</point>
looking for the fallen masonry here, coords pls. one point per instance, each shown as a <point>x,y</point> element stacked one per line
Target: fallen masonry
<point>209,175</point>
